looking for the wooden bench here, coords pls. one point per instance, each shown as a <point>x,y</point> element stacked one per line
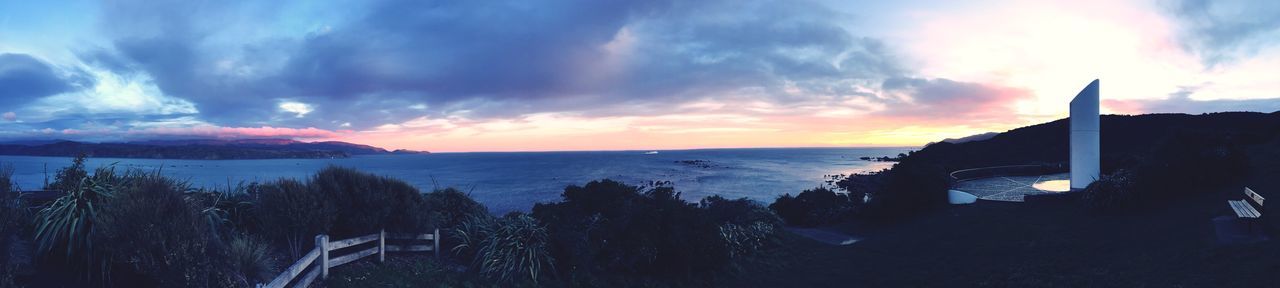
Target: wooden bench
<point>1246,210</point>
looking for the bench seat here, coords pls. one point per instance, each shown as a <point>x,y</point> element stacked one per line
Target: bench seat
<point>1243,209</point>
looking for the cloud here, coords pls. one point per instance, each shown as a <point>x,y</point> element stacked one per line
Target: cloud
<point>1181,102</point>
<point>209,131</point>
<point>298,108</point>
<point>24,78</point>
<point>952,101</point>
<point>1220,31</point>
<point>111,134</point>
<point>9,116</point>
<point>167,68</point>
<point>493,59</point>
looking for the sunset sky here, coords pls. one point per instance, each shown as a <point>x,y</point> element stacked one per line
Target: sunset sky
<point>604,75</point>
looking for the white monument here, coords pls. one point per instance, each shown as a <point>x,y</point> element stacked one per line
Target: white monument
<point>1085,142</point>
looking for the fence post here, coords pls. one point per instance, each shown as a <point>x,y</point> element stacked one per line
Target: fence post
<point>322,243</point>
<point>436,237</point>
<point>382,245</point>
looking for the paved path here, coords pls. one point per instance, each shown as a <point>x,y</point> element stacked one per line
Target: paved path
<point>1006,188</point>
<point>824,235</point>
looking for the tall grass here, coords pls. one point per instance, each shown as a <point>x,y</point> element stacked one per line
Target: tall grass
<point>508,249</point>
<point>363,203</point>
<point>251,259</point>
<point>292,214</point>
<point>154,229</point>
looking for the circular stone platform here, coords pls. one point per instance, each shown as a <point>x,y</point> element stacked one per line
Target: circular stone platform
<point>1012,188</point>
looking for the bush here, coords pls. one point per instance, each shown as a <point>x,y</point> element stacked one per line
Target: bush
<point>449,208</point>
<point>240,207</point>
<point>737,211</point>
<point>364,203</point>
<point>510,248</point>
<point>1191,161</point>
<point>6,179</point>
<point>746,239</point>
<point>250,259</point>
<point>469,235</point>
<point>68,178</point>
<point>68,226</point>
<point>607,227</point>
<point>812,207</point>
<point>1111,192</point>
<point>911,186</point>
<point>152,228</point>
<point>746,225</point>
<point>15,226</point>
<point>291,214</point>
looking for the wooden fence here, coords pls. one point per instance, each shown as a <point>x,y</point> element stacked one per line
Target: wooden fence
<point>322,260</point>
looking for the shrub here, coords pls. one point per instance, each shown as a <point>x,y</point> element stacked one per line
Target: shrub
<point>813,207</point>
<point>153,229</point>
<point>737,211</point>
<point>68,178</point>
<point>1191,161</point>
<point>746,239</point>
<point>911,186</point>
<point>449,208</point>
<point>68,226</point>
<point>510,248</point>
<point>240,207</point>
<point>609,227</point>
<point>746,225</point>
<point>1111,191</point>
<point>6,179</point>
<point>290,213</point>
<point>15,224</point>
<point>250,259</point>
<point>363,203</point>
<point>469,235</point>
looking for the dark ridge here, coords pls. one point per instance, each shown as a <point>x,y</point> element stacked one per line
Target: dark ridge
<point>203,149</point>
<point>1123,137</point>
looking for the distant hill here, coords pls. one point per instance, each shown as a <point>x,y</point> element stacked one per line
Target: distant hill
<point>971,138</point>
<point>1123,137</point>
<point>209,149</point>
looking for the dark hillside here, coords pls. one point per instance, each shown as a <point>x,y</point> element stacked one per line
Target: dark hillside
<point>1123,137</point>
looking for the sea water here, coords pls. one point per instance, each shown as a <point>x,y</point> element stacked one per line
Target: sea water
<point>512,181</point>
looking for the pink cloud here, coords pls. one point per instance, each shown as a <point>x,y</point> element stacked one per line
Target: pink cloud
<point>1123,106</point>
<point>947,102</point>
<point>10,116</point>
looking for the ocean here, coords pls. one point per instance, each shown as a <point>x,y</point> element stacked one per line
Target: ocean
<point>514,181</point>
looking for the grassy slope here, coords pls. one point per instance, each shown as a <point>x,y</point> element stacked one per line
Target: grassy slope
<point>1061,245</point>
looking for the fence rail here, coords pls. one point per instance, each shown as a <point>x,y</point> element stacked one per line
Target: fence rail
<point>320,255</point>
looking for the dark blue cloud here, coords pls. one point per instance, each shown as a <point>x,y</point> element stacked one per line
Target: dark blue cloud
<point>24,78</point>
<point>1221,31</point>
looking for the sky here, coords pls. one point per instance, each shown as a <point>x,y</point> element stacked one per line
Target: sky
<point>543,75</point>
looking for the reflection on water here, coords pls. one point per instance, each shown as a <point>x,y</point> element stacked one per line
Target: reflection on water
<point>1053,185</point>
